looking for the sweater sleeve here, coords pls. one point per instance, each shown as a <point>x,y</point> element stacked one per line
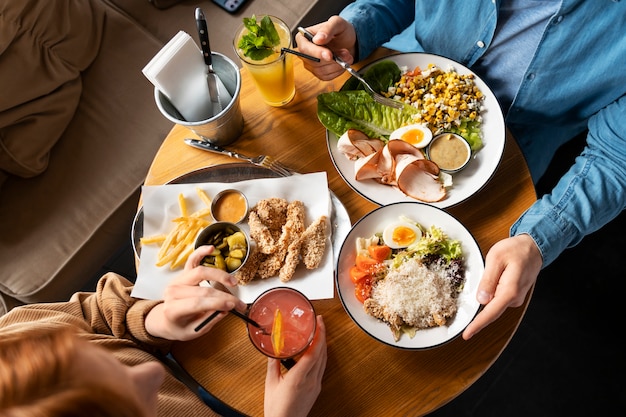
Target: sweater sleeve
<point>109,313</point>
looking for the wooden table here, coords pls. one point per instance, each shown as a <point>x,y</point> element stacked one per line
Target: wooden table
<point>363,377</point>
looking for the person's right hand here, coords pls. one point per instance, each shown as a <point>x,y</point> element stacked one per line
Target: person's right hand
<point>293,393</point>
<point>186,303</point>
<point>333,36</point>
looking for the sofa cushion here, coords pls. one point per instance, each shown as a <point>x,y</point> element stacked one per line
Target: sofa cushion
<point>222,26</point>
<point>58,228</point>
<point>44,46</point>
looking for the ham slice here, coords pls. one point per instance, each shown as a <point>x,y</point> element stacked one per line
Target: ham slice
<point>367,167</point>
<point>402,165</point>
<point>355,144</point>
<point>420,179</point>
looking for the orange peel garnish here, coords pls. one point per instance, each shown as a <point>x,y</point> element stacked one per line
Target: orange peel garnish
<point>278,339</point>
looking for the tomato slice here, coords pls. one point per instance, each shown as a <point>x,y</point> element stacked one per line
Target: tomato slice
<point>379,252</point>
<point>363,289</point>
<point>357,274</point>
<point>366,263</point>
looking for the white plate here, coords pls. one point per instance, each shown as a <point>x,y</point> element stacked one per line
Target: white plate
<point>426,215</point>
<point>467,182</point>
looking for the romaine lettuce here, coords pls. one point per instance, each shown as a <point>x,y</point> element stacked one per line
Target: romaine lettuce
<point>353,108</point>
<point>343,110</point>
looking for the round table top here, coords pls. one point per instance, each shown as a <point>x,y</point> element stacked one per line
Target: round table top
<point>363,377</point>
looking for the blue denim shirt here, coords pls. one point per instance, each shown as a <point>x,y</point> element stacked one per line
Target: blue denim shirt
<point>576,80</point>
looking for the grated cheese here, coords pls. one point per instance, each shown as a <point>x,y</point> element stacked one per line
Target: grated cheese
<point>422,297</point>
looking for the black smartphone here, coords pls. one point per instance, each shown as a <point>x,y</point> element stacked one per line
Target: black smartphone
<point>231,6</point>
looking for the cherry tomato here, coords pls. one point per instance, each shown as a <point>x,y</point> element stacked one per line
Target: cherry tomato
<point>363,289</point>
<point>366,263</point>
<point>357,274</point>
<point>379,252</point>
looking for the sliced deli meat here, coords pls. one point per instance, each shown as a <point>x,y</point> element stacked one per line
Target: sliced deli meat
<point>420,179</point>
<point>355,144</point>
<point>404,166</point>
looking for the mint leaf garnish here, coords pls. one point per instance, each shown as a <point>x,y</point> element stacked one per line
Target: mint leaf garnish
<point>259,43</point>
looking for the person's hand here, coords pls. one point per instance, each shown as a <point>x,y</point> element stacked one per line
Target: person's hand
<point>335,35</point>
<point>186,304</point>
<point>511,268</point>
<point>293,393</point>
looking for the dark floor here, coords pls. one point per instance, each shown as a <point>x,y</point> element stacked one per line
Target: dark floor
<point>565,359</point>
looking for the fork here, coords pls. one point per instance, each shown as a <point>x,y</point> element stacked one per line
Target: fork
<point>379,98</point>
<point>265,161</point>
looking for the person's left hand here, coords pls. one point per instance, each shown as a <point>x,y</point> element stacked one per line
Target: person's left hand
<point>293,393</point>
<point>511,269</point>
<point>186,304</point>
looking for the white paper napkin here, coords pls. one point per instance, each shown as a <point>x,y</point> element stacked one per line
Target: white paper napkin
<point>160,205</point>
<point>179,72</point>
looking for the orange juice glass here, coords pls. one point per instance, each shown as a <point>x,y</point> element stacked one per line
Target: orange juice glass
<point>273,75</point>
<point>296,327</point>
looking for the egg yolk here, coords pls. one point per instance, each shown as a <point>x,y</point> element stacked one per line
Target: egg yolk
<point>413,136</point>
<point>403,236</point>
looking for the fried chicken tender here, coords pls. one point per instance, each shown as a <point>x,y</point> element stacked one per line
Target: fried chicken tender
<point>261,234</point>
<point>248,270</point>
<point>289,244</point>
<point>314,243</point>
<point>272,212</point>
<point>282,241</point>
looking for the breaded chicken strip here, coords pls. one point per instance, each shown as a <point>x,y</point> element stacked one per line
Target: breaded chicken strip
<point>261,234</point>
<point>248,270</point>
<point>272,212</point>
<point>314,243</point>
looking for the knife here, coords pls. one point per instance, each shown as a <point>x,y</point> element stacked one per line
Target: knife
<point>208,146</point>
<point>211,76</point>
<point>260,160</point>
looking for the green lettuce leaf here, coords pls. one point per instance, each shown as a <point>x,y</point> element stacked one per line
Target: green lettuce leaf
<point>342,110</point>
<point>436,242</point>
<point>353,108</point>
<point>380,76</point>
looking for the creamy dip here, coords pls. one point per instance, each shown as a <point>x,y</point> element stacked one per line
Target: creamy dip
<point>449,152</point>
<point>231,207</point>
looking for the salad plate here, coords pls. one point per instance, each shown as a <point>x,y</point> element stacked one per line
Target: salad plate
<point>466,182</point>
<point>427,216</point>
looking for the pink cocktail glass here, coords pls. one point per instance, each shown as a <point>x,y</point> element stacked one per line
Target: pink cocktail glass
<point>298,322</point>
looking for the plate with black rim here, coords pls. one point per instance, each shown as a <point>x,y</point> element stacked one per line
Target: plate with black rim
<point>427,216</point>
<point>466,182</point>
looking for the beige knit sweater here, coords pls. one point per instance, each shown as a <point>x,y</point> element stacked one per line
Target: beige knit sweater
<point>113,319</point>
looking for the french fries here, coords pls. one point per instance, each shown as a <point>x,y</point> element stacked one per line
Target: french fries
<point>178,244</point>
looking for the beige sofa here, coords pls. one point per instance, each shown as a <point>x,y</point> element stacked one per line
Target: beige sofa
<point>79,127</point>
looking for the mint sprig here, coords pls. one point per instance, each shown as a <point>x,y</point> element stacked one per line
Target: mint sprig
<point>260,40</point>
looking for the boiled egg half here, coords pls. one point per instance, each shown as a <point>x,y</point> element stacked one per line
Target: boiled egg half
<point>401,234</point>
<point>415,134</point>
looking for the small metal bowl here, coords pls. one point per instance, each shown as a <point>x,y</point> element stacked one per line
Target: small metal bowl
<point>230,206</point>
<point>451,152</point>
<point>231,252</point>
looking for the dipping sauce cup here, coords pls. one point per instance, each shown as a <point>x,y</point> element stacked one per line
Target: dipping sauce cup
<point>450,152</point>
<point>273,75</point>
<point>229,206</point>
<point>288,316</point>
